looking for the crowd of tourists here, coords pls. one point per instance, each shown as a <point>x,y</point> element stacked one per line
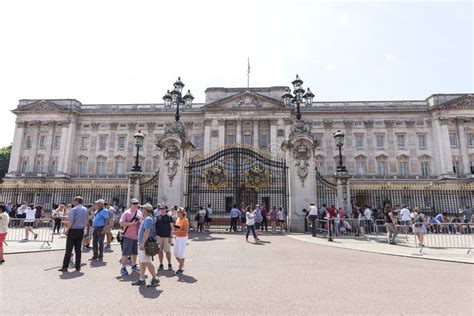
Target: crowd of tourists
<point>260,217</point>
<point>146,232</point>
<point>364,220</point>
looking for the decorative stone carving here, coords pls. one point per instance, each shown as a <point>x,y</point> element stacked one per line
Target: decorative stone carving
<point>151,125</point>
<point>95,125</point>
<point>302,170</point>
<point>172,152</point>
<point>172,170</point>
<point>369,123</point>
<point>216,178</point>
<point>113,125</point>
<point>302,152</point>
<point>389,123</point>
<point>299,128</point>
<point>410,123</point>
<point>257,179</point>
<point>249,101</point>
<point>177,128</point>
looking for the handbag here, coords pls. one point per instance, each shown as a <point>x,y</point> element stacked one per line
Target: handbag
<point>151,247</point>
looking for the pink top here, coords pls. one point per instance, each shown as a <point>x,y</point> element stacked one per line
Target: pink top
<point>132,231</point>
<point>273,215</point>
<point>341,213</point>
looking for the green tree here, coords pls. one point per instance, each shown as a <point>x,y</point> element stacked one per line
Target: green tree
<point>4,160</point>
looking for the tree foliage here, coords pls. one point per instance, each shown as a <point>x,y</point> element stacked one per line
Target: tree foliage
<point>4,160</point>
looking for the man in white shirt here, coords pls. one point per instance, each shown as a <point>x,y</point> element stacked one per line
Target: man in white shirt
<point>20,212</point>
<point>313,215</point>
<point>208,217</point>
<point>30,221</point>
<point>406,218</point>
<point>368,217</point>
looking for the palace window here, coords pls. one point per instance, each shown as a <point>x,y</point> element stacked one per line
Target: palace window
<point>28,142</point>
<point>101,167</point>
<point>453,139</point>
<point>54,166</point>
<point>102,142</point>
<point>230,140</point>
<point>25,166</point>
<point>42,141</point>
<point>422,141</point>
<point>82,169</point>
<point>57,142</point>
<point>380,140</point>
<point>84,142</point>
<point>358,124</point>
<point>198,142</point>
<point>425,168</point>
<point>120,169</point>
<point>471,162</point>
<point>248,140</point>
<point>470,140</point>
<point>382,167</point>
<point>361,167</point>
<point>39,166</point>
<point>456,167</point>
<point>263,141</point>
<point>401,141</point>
<point>121,142</point>
<point>403,168</point>
<point>359,140</point>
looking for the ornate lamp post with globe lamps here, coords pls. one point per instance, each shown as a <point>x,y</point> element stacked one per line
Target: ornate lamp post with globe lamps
<point>176,98</point>
<point>339,138</point>
<point>298,97</point>
<point>138,144</point>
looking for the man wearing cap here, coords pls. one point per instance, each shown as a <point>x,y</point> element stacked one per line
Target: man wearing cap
<point>101,219</point>
<point>164,233</point>
<point>74,230</point>
<point>130,221</point>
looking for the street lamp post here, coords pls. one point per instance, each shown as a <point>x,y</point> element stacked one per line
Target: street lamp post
<point>339,138</point>
<point>177,99</point>
<point>299,96</point>
<point>138,144</point>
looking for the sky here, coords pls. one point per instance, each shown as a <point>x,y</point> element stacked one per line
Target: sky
<point>132,51</point>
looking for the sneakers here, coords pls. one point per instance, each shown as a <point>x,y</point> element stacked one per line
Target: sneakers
<point>154,282</point>
<point>139,282</point>
<point>135,268</point>
<point>179,272</point>
<point>160,268</point>
<point>62,270</point>
<point>123,272</point>
<point>170,268</point>
<point>36,236</point>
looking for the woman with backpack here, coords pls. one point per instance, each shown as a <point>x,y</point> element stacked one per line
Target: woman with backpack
<point>419,228</point>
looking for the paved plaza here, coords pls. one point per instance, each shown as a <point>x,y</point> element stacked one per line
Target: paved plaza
<point>225,275</point>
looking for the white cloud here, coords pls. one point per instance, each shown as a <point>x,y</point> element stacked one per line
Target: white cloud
<point>390,58</point>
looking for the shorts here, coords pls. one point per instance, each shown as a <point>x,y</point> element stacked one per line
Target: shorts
<point>2,238</point>
<point>164,243</point>
<point>130,247</point>
<point>180,247</point>
<point>208,220</point>
<point>142,257</point>
<point>257,225</point>
<point>243,220</point>
<point>405,223</point>
<point>108,229</point>
<point>29,223</point>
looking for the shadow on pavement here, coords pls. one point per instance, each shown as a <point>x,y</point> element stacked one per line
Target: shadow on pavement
<point>149,292</point>
<point>128,278</point>
<point>72,275</point>
<point>97,264</point>
<point>186,279</point>
<point>203,237</point>
<point>166,274</point>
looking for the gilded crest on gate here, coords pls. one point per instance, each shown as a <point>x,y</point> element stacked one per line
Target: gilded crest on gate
<point>216,177</point>
<point>257,179</point>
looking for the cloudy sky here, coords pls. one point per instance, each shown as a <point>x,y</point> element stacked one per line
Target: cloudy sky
<point>132,51</point>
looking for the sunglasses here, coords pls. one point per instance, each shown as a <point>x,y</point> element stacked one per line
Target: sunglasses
<point>135,203</point>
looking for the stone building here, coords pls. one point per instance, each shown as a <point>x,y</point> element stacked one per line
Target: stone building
<point>406,141</point>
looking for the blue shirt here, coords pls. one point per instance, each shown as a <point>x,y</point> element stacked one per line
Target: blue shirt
<point>234,213</point>
<point>147,223</point>
<point>78,217</point>
<point>100,217</point>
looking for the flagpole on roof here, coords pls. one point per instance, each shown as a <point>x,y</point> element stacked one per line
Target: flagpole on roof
<point>248,73</point>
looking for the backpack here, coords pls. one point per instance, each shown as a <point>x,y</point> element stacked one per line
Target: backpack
<point>418,220</point>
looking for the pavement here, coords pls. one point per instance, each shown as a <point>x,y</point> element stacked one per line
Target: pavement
<point>224,275</point>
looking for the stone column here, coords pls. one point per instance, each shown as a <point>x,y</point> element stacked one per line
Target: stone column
<point>255,135</point>
<point>343,191</point>
<point>221,133</point>
<point>34,145</point>
<point>463,147</point>
<point>48,157</point>
<point>207,137</point>
<point>133,186</point>
<point>238,131</point>
<point>274,146</point>
<point>443,157</point>
<point>17,148</point>
<point>69,150</point>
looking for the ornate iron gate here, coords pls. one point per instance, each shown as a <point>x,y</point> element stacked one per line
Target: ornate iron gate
<point>235,175</point>
<point>149,190</point>
<point>326,192</point>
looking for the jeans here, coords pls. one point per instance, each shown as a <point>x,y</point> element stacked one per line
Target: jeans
<point>313,224</point>
<point>98,242</point>
<point>233,224</point>
<point>466,221</point>
<point>251,228</point>
<point>57,225</point>
<point>264,223</point>
<point>74,240</point>
<point>392,232</point>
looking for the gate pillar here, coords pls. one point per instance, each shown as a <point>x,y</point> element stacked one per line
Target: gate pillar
<point>175,151</point>
<point>133,186</point>
<point>299,151</point>
<point>343,190</point>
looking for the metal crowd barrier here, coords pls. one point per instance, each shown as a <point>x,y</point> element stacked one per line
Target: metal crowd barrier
<point>42,228</point>
<point>447,235</point>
